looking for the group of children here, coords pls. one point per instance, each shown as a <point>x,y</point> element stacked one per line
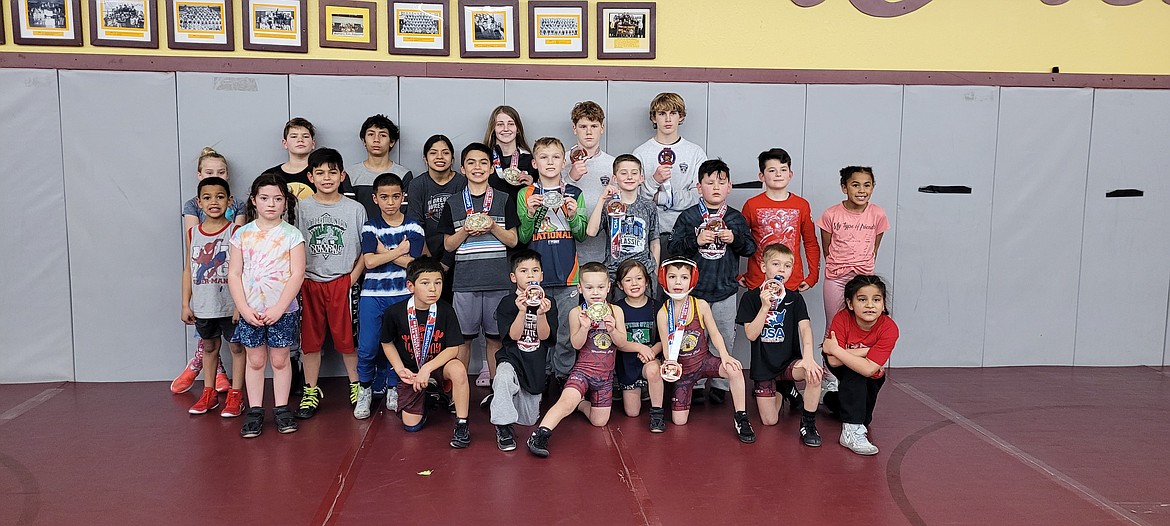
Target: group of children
<point>579,269</point>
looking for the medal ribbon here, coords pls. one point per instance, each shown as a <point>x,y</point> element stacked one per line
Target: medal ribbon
<point>675,332</point>
<point>707,213</point>
<point>615,243</point>
<point>421,348</point>
<point>487,200</point>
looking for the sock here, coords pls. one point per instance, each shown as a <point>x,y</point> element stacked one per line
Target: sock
<point>544,430</point>
<point>367,385</point>
<point>655,409</point>
<point>280,408</point>
<point>808,418</point>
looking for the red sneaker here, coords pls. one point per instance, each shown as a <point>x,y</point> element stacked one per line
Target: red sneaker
<point>208,401</point>
<point>234,405</point>
<point>184,382</point>
<point>221,383</point>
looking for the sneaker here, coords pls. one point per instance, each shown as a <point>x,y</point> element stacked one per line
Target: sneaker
<point>253,423</point>
<point>365,397</point>
<point>222,384</point>
<point>504,438</point>
<point>809,435</point>
<point>487,400</point>
<point>853,437</point>
<point>538,442</point>
<point>298,377</point>
<point>392,399</point>
<point>485,378</point>
<point>207,401</point>
<point>354,389</point>
<point>310,401</point>
<point>184,381</point>
<point>698,396</point>
<point>829,383</point>
<point>450,406</point>
<point>461,438</point>
<point>743,428</point>
<point>716,395</point>
<point>285,423</point>
<point>657,420</point>
<point>234,405</point>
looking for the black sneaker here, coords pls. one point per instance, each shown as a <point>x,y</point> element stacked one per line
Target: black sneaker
<point>809,435</point>
<point>504,438</point>
<point>698,396</point>
<point>657,420</point>
<point>538,442</point>
<point>253,422</point>
<point>743,428</point>
<point>487,400</point>
<point>310,401</point>
<point>461,438</point>
<point>716,395</point>
<point>285,423</point>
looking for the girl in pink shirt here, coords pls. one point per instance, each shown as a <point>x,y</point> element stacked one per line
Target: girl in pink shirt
<point>851,232</point>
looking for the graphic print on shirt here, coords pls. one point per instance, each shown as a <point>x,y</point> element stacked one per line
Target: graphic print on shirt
<point>632,235</point>
<point>774,327</point>
<point>326,234</point>
<point>715,249</point>
<point>436,346</point>
<point>208,263</point>
<point>778,225</point>
<point>529,339</point>
<point>435,205</point>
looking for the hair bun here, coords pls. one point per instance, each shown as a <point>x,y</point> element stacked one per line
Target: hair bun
<point>207,150</point>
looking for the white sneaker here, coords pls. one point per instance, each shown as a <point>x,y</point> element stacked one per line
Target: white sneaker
<point>365,397</point>
<point>853,437</point>
<point>485,378</point>
<point>392,399</point>
<point>829,382</point>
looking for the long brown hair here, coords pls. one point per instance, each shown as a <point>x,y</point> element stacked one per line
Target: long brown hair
<point>271,179</point>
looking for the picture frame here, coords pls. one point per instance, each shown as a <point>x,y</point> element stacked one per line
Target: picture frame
<point>348,24</point>
<point>558,29</point>
<point>1,24</point>
<point>420,28</point>
<point>275,25</point>
<point>201,25</point>
<point>46,22</point>
<point>488,28</point>
<point>123,23</point>
<point>625,30</point>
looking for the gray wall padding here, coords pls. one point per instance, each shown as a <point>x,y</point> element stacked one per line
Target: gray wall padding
<point>34,295</point>
<point>1036,224</point>
<point>746,119</point>
<point>457,108</point>
<point>545,105</point>
<point>628,115</point>
<point>1121,307</point>
<point>121,190</point>
<point>948,138</point>
<point>337,107</point>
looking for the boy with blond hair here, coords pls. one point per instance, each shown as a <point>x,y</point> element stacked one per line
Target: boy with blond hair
<point>670,162</point>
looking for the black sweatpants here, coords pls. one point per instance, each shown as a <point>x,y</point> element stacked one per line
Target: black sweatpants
<point>856,395</point>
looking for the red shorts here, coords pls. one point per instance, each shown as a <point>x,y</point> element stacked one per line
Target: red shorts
<point>767,388</point>
<point>415,402</point>
<point>326,307</point>
<point>598,391</point>
<point>708,368</point>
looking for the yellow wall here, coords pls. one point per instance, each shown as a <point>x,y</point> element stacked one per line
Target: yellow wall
<point>1082,36</point>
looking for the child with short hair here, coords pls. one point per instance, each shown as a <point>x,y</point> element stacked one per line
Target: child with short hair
<point>298,140</point>
<point>861,338</point>
<point>851,232</point>
<point>427,194</point>
<point>777,323</point>
<point>687,326</point>
<point>331,225</point>
<point>777,215</point>
<point>598,330</point>
<point>512,167</point>
<point>671,185</point>
<point>390,241</point>
<point>715,236</point>
<point>479,227</point>
<point>266,266</point>
<point>378,134</point>
<point>425,352</point>
<point>590,168</point>
<point>552,221</point>
<point>207,302</point>
<point>638,369</point>
<point>629,220</point>
<point>527,322</point>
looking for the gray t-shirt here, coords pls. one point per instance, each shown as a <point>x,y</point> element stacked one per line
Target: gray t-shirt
<point>634,233</point>
<point>362,179</point>
<point>333,236</point>
<point>599,166</point>
<point>208,259</point>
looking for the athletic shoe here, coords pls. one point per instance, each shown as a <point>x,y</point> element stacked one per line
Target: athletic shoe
<point>809,435</point>
<point>743,428</point>
<point>354,388</point>
<point>285,423</point>
<point>365,397</point>
<point>234,405</point>
<point>184,381</point>
<point>657,420</point>
<point>829,383</point>
<point>310,401</point>
<point>504,439</point>
<point>538,442</point>
<point>253,423</point>
<point>296,388</point>
<point>487,400</point>
<point>450,405</point>
<point>853,437</point>
<point>392,399</point>
<point>716,395</point>
<point>207,401</point>
<point>222,384</point>
<point>485,378</point>
<point>461,438</point>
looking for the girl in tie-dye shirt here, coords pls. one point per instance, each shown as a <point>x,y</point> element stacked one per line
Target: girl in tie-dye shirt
<point>266,268</point>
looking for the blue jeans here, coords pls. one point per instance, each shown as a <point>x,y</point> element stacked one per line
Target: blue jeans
<point>372,362</point>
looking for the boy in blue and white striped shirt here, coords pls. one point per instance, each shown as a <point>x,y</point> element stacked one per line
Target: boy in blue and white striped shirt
<point>390,241</point>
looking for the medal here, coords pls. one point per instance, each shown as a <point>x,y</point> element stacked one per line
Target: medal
<point>577,153</point>
<point>421,345</point>
<point>776,287</point>
<point>477,221</point>
<point>511,175</point>
<point>533,295</point>
<point>552,200</point>
<point>616,209</point>
<point>598,311</point>
<point>715,224</point>
<point>666,156</point>
<point>671,371</point>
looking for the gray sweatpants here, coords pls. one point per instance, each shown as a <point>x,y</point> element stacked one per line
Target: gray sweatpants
<point>563,356</point>
<point>724,314</point>
<point>510,403</point>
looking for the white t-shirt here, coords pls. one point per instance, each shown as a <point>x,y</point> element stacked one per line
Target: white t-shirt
<point>678,193</point>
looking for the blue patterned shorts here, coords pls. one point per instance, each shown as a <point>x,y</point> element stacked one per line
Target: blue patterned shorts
<point>280,334</point>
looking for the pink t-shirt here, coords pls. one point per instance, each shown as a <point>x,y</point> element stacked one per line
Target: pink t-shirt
<point>267,262</point>
<point>854,235</point>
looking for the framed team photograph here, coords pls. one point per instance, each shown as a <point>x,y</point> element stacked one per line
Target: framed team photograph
<point>558,29</point>
<point>123,23</point>
<point>349,24</point>
<point>46,22</point>
<point>488,28</point>
<point>276,25</point>
<point>625,30</point>
<point>1,24</point>
<point>419,28</point>
<point>200,24</point>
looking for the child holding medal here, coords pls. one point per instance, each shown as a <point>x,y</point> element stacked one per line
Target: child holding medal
<point>589,167</point>
<point>777,323</point>
<point>512,167</point>
<point>629,219</point>
<point>674,160</point>
<point>424,352</point>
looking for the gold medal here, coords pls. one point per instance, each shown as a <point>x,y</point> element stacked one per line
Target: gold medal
<point>512,175</point>
<point>598,311</point>
<point>477,221</point>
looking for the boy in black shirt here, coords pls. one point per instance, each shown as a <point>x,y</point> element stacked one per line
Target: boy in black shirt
<point>772,318</point>
<point>421,337</point>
